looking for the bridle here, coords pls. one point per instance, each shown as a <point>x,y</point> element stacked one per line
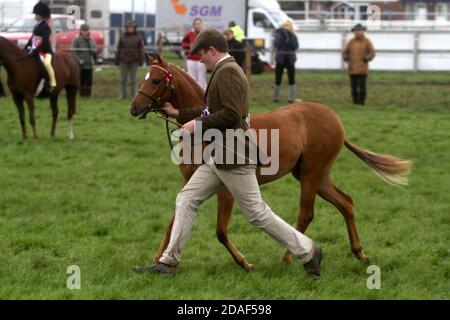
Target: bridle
<point>155,103</point>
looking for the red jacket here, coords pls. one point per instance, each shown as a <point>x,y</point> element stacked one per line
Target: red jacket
<point>186,44</point>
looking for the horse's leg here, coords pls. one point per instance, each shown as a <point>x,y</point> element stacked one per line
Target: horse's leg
<point>309,181</point>
<point>18,100</point>
<point>344,204</point>
<point>224,209</point>
<point>54,106</point>
<point>30,103</point>
<point>71,107</point>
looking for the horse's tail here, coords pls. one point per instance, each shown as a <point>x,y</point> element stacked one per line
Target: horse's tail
<point>391,169</point>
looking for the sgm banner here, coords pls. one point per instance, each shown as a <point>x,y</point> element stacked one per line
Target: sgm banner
<point>179,14</point>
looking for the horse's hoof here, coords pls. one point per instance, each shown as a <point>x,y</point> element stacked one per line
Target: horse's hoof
<point>361,256</point>
<point>365,259</point>
<point>249,267</point>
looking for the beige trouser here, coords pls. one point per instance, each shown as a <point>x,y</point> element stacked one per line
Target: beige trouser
<point>48,66</point>
<point>242,183</point>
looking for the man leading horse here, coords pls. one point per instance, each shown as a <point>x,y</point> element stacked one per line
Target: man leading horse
<point>227,99</point>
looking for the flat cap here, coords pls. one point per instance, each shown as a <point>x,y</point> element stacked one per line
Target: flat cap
<point>210,38</point>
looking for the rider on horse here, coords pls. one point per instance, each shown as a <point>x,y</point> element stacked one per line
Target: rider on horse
<point>39,43</point>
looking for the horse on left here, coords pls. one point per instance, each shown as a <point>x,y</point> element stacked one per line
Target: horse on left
<point>25,75</point>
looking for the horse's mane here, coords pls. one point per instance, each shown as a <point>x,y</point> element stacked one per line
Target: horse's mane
<point>194,83</point>
<point>7,44</point>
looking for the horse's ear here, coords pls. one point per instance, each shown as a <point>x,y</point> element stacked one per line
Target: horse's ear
<point>150,59</point>
<point>161,61</point>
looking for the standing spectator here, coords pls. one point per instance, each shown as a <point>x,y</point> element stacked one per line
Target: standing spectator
<point>129,56</point>
<point>358,52</point>
<point>239,34</point>
<point>195,68</point>
<point>86,51</point>
<point>286,44</point>
<point>236,48</point>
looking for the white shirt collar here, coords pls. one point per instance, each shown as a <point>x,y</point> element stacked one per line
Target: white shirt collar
<point>225,57</point>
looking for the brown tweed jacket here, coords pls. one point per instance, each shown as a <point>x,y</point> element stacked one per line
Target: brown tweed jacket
<point>227,98</point>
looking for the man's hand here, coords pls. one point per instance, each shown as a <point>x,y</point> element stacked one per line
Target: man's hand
<point>170,110</point>
<point>189,126</point>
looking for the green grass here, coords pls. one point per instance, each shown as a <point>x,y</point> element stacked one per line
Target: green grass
<point>102,202</point>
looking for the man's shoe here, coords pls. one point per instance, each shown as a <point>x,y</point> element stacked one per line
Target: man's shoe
<point>312,267</point>
<point>159,267</point>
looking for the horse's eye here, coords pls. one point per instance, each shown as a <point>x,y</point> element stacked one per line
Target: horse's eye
<point>156,81</point>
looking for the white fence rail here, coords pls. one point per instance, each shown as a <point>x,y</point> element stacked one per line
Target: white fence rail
<point>405,51</point>
<point>321,50</point>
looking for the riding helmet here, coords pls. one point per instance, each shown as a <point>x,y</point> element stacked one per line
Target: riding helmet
<point>41,9</point>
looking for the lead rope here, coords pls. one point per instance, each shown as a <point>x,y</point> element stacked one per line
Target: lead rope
<point>180,125</point>
<point>168,134</point>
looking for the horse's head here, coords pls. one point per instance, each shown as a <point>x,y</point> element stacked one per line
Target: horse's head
<point>156,89</point>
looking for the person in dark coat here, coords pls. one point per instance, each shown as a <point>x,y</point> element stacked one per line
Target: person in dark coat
<point>130,55</point>
<point>286,44</point>
<point>236,48</point>
<point>39,43</point>
<point>86,51</point>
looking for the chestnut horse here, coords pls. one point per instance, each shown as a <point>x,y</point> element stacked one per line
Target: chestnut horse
<point>310,138</point>
<point>24,75</point>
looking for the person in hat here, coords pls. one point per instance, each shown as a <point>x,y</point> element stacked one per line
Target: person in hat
<point>86,51</point>
<point>195,69</point>
<point>39,43</point>
<point>357,53</point>
<point>286,44</point>
<point>227,99</point>
<point>130,55</point>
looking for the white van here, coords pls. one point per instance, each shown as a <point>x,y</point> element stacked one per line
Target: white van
<point>258,18</point>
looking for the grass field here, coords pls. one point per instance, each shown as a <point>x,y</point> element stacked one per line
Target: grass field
<point>103,200</point>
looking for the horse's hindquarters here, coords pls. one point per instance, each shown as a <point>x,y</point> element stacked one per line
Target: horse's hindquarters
<point>296,132</point>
